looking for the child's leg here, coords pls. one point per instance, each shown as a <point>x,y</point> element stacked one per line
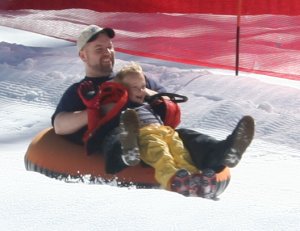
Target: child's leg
<point>155,152</point>
<point>180,154</point>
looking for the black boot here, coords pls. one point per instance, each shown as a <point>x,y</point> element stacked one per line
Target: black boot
<point>207,152</point>
<point>112,150</point>
<point>238,141</point>
<point>114,162</point>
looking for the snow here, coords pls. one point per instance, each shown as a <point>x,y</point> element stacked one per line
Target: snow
<point>264,193</point>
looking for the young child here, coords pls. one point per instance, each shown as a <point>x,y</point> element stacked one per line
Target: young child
<point>159,145</point>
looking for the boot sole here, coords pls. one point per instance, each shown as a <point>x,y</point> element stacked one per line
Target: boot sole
<point>242,138</point>
<point>181,182</point>
<point>129,137</point>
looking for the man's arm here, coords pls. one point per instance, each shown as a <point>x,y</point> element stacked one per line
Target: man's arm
<point>70,114</point>
<point>153,87</point>
<point>69,122</point>
<point>150,92</point>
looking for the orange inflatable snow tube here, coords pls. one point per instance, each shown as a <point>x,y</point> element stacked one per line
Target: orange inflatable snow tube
<point>56,157</point>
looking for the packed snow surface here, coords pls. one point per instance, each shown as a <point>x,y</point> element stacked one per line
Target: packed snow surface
<point>264,192</point>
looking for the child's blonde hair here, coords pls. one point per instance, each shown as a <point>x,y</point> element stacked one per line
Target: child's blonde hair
<point>132,68</point>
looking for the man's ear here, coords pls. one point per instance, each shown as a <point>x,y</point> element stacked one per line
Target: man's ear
<point>82,55</point>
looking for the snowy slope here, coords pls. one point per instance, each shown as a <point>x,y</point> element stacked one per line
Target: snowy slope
<point>264,193</point>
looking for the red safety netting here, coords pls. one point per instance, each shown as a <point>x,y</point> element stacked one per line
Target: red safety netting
<point>204,33</point>
<point>229,7</point>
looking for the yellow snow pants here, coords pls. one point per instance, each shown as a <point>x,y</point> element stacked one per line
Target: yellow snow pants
<point>161,148</point>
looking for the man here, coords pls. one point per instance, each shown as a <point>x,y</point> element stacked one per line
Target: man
<point>97,53</point>
<point>76,115</point>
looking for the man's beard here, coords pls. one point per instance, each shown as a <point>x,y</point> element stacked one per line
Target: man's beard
<point>106,68</point>
<point>103,68</point>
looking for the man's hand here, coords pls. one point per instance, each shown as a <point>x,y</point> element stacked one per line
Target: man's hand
<point>89,94</point>
<point>150,92</point>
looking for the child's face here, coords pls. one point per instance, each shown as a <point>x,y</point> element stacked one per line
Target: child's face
<point>136,85</point>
